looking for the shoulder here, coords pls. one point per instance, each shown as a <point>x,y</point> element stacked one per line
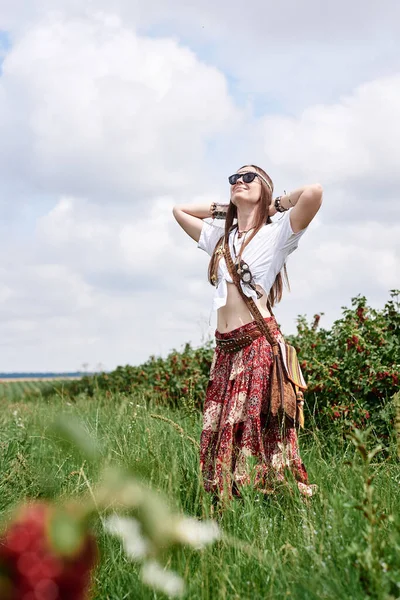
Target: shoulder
<point>210,234</point>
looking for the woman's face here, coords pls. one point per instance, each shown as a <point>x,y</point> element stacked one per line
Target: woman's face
<point>248,193</point>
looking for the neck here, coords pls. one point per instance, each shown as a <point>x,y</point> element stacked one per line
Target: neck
<point>246,218</point>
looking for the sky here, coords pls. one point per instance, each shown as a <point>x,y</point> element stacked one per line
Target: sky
<point>111,113</point>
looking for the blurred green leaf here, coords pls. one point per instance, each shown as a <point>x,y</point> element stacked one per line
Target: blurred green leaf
<point>66,533</point>
<point>69,433</point>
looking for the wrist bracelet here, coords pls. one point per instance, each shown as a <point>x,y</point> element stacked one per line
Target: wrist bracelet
<point>289,200</point>
<point>278,206</point>
<point>218,211</point>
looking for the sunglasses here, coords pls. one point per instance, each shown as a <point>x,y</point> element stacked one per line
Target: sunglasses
<point>247,178</point>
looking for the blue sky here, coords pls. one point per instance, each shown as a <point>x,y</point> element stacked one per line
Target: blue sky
<point>5,45</point>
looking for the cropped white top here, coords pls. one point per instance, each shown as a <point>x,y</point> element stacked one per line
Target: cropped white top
<point>265,254</point>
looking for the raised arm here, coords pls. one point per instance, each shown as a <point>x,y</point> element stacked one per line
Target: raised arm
<point>306,202</point>
<point>190,218</point>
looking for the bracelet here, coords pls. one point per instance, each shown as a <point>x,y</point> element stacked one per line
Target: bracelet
<point>289,200</point>
<point>278,206</point>
<point>218,211</point>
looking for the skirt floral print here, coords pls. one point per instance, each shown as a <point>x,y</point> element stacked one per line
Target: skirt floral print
<point>238,445</point>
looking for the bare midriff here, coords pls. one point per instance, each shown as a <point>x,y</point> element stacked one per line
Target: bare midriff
<point>235,313</point>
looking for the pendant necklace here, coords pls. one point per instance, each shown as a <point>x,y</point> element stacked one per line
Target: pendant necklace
<point>242,268</point>
<point>240,233</point>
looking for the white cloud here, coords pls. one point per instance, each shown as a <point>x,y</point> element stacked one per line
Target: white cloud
<point>106,129</point>
<point>355,138</point>
<point>281,56</point>
<point>336,262</point>
<point>90,107</point>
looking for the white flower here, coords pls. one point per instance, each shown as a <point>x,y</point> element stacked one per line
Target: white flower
<point>155,575</point>
<point>197,533</point>
<point>129,531</point>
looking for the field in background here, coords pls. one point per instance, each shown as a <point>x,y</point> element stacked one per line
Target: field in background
<point>15,390</point>
<point>277,547</point>
<point>25,387</point>
<point>63,378</point>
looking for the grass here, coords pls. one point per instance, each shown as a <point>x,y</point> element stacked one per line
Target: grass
<point>273,547</point>
<point>13,391</point>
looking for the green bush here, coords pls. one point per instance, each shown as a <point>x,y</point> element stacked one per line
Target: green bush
<point>167,381</point>
<point>352,369</point>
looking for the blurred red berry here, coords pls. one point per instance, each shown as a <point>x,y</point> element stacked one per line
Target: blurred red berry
<point>30,567</point>
<point>360,313</point>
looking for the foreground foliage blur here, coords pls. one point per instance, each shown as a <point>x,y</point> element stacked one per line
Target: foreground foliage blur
<point>48,548</point>
<point>344,543</point>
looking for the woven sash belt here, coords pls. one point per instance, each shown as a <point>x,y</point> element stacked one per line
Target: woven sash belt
<point>236,343</point>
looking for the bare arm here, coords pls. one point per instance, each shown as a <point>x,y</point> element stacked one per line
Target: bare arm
<point>306,201</point>
<point>190,218</point>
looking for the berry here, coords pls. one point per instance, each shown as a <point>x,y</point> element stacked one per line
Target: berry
<point>31,567</point>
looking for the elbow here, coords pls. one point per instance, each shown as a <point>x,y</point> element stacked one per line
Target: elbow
<point>317,191</point>
<point>317,188</point>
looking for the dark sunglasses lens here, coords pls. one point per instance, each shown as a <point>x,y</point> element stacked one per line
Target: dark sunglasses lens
<point>249,177</point>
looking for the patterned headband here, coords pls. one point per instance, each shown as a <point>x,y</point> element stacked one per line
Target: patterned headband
<point>265,181</point>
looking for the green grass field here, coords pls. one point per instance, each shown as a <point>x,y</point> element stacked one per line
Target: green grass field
<point>13,391</point>
<point>273,547</point>
<point>17,389</point>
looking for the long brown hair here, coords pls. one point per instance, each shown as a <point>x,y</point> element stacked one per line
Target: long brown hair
<point>262,218</point>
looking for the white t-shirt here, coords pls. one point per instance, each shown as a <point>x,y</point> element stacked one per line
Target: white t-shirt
<point>265,254</point>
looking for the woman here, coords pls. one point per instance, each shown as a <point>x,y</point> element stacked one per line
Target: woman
<point>240,443</point>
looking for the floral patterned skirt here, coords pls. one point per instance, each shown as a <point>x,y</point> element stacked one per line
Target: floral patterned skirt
<point>239,445</point>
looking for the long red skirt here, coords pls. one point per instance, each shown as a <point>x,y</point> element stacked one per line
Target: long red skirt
<point>239,445</point>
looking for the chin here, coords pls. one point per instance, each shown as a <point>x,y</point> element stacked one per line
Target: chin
<point>238,196</point>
